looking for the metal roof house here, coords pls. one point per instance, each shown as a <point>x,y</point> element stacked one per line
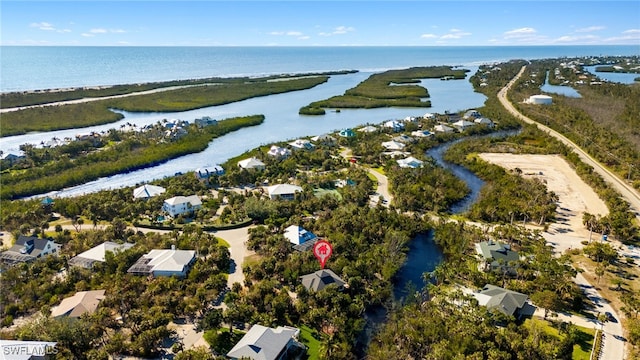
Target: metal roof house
<point>301,238</point>
<point>97,254</point>
<point>321,279</point>
<point>164,262</point>
<point>178,205</point>
<point>283,191</point>
<point>251,163</point>
<point>146,191</point>
<point>508,302</point>
<point>263,343</point>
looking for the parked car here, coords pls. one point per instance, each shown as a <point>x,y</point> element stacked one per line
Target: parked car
<point>610,317</point>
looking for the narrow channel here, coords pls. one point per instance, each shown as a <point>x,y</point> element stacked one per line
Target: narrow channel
<point>424,255</point>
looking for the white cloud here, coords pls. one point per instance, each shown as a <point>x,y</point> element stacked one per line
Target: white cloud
<point>294,33</point>
<point>576,39</point>
<point>519,33</point>
<point>117,31</point>
<point>287,33</point>
<point>43,26</point>
<point>98,31</point>
<point>590,29</point>
<point>340,30</point>
<point>304,37</point>
<point>428,36</point>
<point>631,31</point>
<point>276,33</point>
<point>454,34</point>
<point>87,35</point>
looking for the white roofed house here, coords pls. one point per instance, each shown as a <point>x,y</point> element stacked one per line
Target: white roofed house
<point>443,128</point>
<point>394,124</point>
<point>283,191</point>
<point>410,162</point>
<point>278,152</point>
<point>178,205</point>
<point>146,191</point>
<point>205,173</point>
<point>462,125</point>
<point>471,114</point>
<point>97,254</point>
<point>393,145</point>
<point>302,144</point>
<point>325,139</point>
<point>263,343</point>
<point>368,129</point>
<point>251,163</point>
<point>421,133</point>
<point>301,238</point>
<point>484,121</point>
<point>164,262</point>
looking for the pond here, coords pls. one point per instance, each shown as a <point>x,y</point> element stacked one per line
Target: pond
<point>623,78</point>
<point>565,90</point>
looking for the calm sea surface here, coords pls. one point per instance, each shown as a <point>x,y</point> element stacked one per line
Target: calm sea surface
<point>30,68</point>
<point>36,67</point>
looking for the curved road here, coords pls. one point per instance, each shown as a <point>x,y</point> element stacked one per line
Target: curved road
<point>613,344</point>
<point>624,189</point>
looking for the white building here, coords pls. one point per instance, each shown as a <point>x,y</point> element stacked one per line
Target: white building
<point>97,254</point>
<point>178,205</point>
<point>164,262</point>
<point>301,238</point>
<point>442,128</point>
<point>393,145</point>
<point>278,152</point>
<point>539,100</point>
<point>410,162</point>
<point>302,144</point>
<point>283,191</point>
<point>146,191</point>
<point>251,163</point>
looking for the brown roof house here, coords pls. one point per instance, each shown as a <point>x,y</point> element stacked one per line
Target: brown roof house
<point>83,302</point>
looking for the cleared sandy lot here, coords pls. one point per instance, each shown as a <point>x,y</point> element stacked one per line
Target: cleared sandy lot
<point>575,196</point>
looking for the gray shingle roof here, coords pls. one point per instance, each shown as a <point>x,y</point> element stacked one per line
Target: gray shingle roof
<point>320,279</point>
<point>263,343</point>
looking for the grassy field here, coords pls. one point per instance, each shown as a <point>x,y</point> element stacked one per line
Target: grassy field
<point>308,338</point>
<point>584,337</point>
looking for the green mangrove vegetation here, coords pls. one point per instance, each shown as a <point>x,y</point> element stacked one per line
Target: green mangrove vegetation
<point>70,116</point>
<point>81,161</point>
<point>387,89</point>
<point>47,96</point>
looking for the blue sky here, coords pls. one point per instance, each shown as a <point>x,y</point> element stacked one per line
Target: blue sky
<point>319,23</point>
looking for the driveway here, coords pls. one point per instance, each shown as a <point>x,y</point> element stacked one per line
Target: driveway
<point>237,238</point>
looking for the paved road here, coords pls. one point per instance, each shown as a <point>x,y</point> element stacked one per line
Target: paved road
<point>237,238</point>
<point>613,344</point>
<point>383,188</point>
<point>625,190</point>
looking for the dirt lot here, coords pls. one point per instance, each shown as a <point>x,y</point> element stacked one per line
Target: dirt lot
<point>575,196</point>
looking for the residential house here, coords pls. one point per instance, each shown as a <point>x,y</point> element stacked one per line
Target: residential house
<point>301,238</point>
<point>264,343</point>
<point>283,191</point>
<point>484,121</point>
<point>97,254</point>
<point>325,139</point>
<point>510,303</point>
<point>395,125</point>
<point>410,162</point>
<point>347,133</point>
<point>393,145</point>
<point>27,249</point>
<point>178,205</point>
<point>368,129</point>
<point>321,279</point>
<point>404,139</point>
<point>421,133</point>
<point>429,116</point>
<point>278,152</point>
<point>442,128</point>
<point>204,173</point>
<point>13,157</point>
<point>496,256</point>
<point>462,125</point>
<point>251,163</point>
<point>410,119</point>
<point>302,144</point>
<point>83,302</point>
<point>146,191</point>
<point>164,262</point>
<point>205,121</point>
<point>471,114</point>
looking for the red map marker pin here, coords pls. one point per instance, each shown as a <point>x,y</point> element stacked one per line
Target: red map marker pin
<point>322,250</point>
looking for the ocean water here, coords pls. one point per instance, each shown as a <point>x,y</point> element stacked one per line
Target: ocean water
<point>31,68</point>
<point>50,67</point>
